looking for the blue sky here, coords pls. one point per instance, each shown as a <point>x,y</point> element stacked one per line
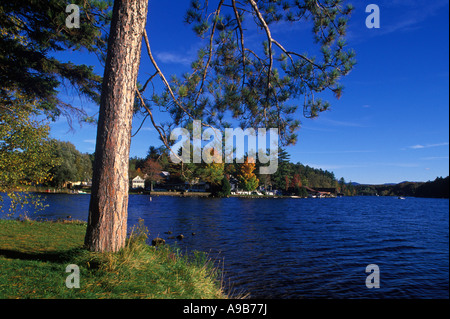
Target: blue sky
<point>392,121</point>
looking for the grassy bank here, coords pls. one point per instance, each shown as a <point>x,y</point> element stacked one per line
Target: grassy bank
<point>34,257</point>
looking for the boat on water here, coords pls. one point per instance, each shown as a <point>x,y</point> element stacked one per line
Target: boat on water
<point>401,197</point>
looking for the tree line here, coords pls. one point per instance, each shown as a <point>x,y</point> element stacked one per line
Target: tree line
<point>52,163</point>
<point>290,178</point>
<point>439,188</point>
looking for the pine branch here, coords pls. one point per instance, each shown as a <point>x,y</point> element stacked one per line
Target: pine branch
<point>163,78</point>
<point>211,38</point>
<point>158,128</point>
<point>269,38</point>
<point>241,31</point>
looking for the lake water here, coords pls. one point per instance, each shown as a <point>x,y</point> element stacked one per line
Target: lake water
<point>302,248</point>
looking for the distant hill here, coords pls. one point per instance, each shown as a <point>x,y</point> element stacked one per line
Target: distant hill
<point>439,188</point>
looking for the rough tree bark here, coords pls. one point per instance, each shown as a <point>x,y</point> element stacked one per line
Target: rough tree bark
<point>107,222</point>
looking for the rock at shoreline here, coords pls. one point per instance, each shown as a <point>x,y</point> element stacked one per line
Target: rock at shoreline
<point>158,241</point>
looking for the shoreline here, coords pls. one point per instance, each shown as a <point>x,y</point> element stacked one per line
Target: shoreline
<point>138,271</point>
<point>47,191</point>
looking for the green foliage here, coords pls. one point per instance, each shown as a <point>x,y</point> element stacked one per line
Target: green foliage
<point>290,176</point>
<point>251,184</point>
<point>212,173</point>
<point>73,166</point>
<point>259,86</point>
<point>25,151</point>
<point>301,191</point>
<point>226,187</point>
<point>284,169</point>
<point>31,31</point>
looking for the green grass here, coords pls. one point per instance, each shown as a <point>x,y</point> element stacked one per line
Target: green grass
<point>34,256</point>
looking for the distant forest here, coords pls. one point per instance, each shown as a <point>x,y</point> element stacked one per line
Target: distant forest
<point>439,188</point>
<point>290,178</point>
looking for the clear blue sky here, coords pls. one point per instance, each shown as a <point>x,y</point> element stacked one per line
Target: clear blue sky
<point>392,122</point>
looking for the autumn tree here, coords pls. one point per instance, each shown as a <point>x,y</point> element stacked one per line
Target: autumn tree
<point>213,172</point>
<point>296,181</point>
<point>152,170</point>
<point>247,178</point>
<point>287,182</point>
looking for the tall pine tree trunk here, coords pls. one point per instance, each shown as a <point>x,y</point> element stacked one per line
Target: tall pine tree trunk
<point>107,223</point>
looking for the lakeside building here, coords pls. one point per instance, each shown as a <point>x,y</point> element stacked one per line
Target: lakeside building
<point>321,192</point>
<point>137,182</point>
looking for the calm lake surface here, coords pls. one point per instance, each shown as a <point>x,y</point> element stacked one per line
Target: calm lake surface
<point>302,248</point>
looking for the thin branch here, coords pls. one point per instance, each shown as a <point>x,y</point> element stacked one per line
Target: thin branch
<point>148,81</point>
<point>241,31</point>
<point>211,38</point>
<point>239,8</point>
<point>269,37</point>
<point>158,128</point>
<point>140,126</point>
<point>2,106</point>
<point>289,53</point>
<point>163,78</point>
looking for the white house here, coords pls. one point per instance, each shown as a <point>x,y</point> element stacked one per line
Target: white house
<point>138,182</point>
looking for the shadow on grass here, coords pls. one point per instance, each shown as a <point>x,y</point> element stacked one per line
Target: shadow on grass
<point>53,256</point>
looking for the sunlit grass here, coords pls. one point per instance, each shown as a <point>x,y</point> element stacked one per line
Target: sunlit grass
<point>34,257</point>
